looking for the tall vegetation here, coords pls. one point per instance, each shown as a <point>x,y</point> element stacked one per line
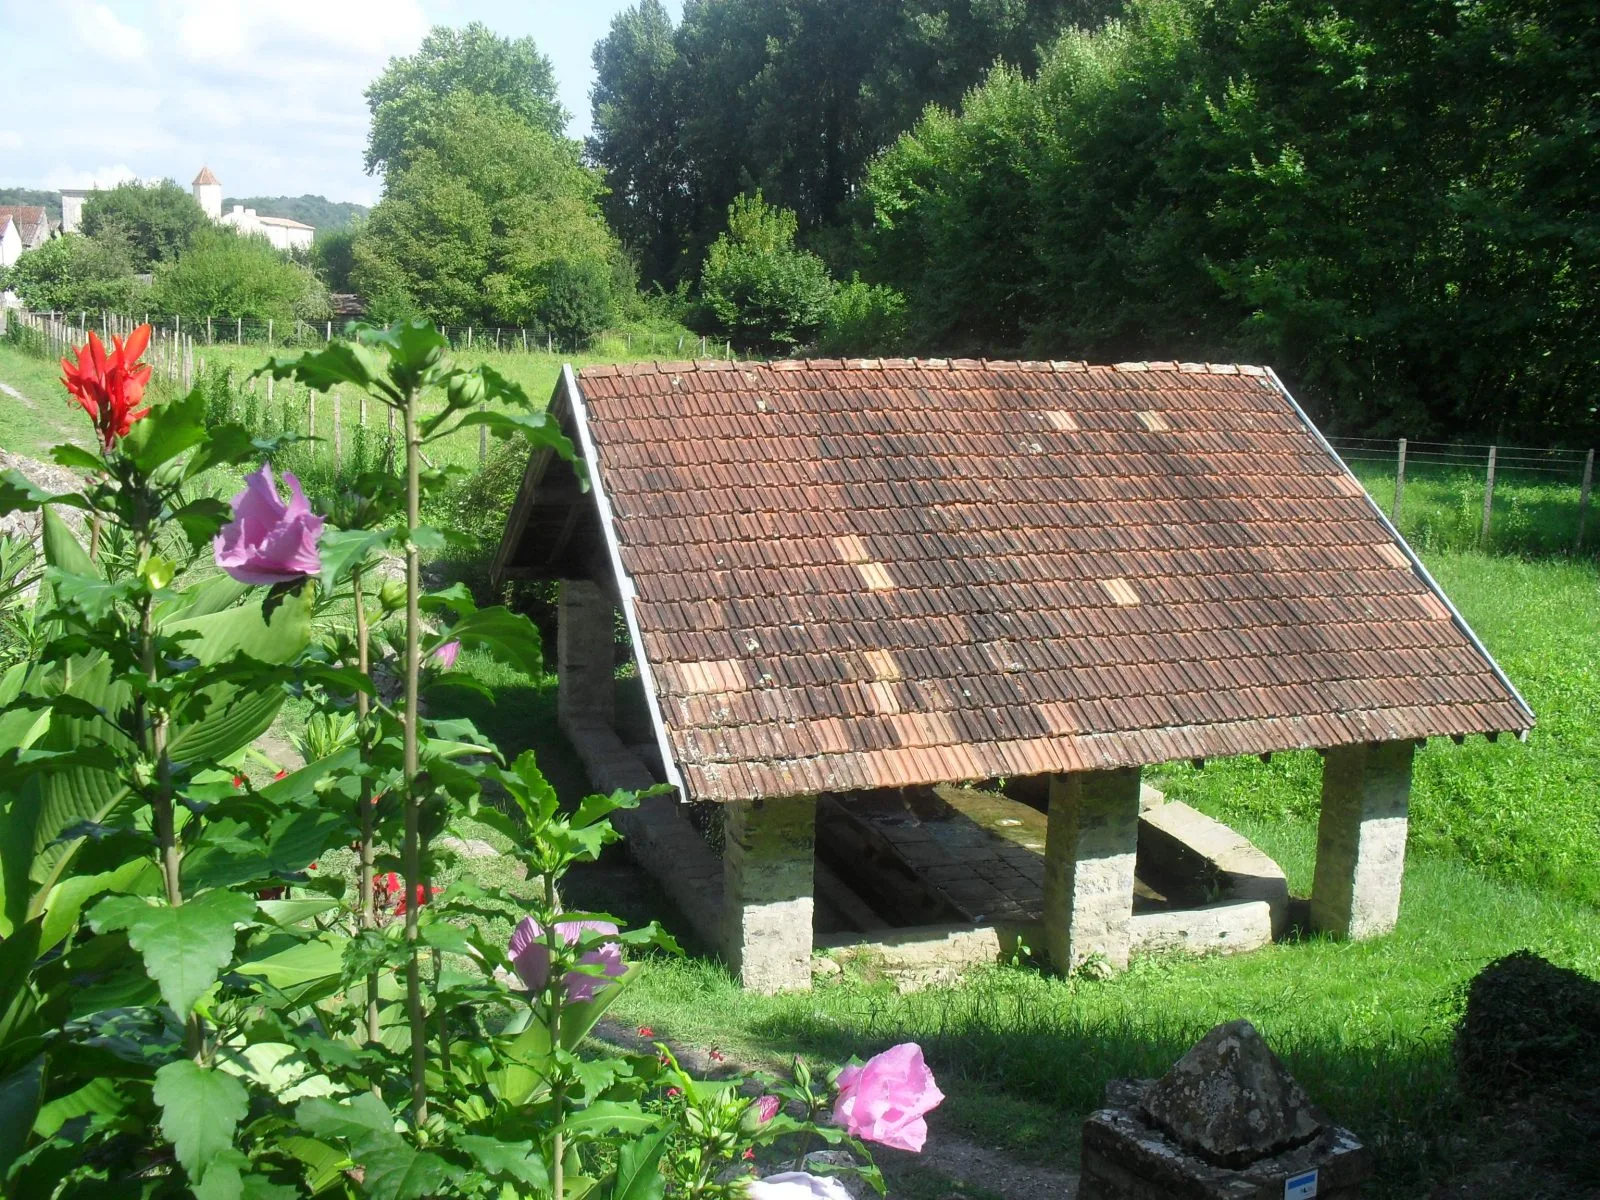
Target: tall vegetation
<point>226,275</point>
<point>486,217</point>
<point>158,220</point>
<point>789,96</point>
<point>1386,201</point>
<point>762,290</point>
<point>75,273</point>
<point>406,97</point>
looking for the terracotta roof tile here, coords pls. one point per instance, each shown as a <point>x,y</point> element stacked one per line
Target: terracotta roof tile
<point>883,573</point>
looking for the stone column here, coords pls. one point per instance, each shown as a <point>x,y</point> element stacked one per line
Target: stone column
<point>1090,842</point>
<point>768,862</point>
<point>1361,839</point>
<point>585,653</point>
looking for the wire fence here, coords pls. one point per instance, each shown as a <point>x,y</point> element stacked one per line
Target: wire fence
<point>1511,496</point>
<point>505,339</point>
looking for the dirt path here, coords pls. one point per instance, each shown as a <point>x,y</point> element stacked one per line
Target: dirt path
<point>13,393</point>
<point>957,1160</point>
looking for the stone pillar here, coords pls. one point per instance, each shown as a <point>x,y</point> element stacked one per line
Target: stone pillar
<point>585,653</point>
<point>1361,839</point>
<point>768,862</point>
<point>1090,842</point>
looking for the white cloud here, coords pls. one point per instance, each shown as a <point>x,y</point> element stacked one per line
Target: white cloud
<point>10,139</point>
<point>96,25</point>
<point>292,38</point>
<point>100,177</point>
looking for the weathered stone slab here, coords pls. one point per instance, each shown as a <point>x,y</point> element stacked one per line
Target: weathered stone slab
<point>1232,1101</point>
<point>586,664</point>
<point>1231,927</point>
<point>1176,838</point>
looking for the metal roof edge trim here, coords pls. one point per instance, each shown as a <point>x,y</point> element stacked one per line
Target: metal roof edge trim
<point>625,589</point>
<point>1416,563</point>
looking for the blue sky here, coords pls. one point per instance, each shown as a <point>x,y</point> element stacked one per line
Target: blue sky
<point>265,92</point>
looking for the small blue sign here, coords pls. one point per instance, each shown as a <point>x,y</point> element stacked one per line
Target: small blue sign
<point>1300,1187</point>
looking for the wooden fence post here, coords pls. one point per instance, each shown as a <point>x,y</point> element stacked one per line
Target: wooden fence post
<point>338,441</point>
<point>1583,498</point>
<point>327,334</point>
<point>209,337</point>
<point>311,411</point>
<point>483,440</point>
<point>1399,483</point>
<point>238,331</point>
<point>1488,499</point>
<point>269,331</point>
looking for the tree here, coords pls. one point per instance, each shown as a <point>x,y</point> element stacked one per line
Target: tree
<point>333,255</point>
<point>226,275</point>
<point>577,300</point>
<point>785,96</point>
<point>407,95</point>
<point>74,273</point>
<point>1392,204</point>
<point>472,225</point>
<point>159,220</point>
<point>637,131</point>
<point>763,291</point>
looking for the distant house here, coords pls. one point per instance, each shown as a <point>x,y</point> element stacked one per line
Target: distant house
<point>283,233</point>
<point>23,227</point>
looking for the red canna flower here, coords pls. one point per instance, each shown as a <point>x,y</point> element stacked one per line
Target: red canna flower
<point>238,781</point>
<point>646,1032</point>
<point>673,1093</point>
<point>423,896</point>
<point>110,386</point>
<point>749,1154</point>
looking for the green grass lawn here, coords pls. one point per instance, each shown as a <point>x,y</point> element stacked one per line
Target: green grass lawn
<point>1503,856</point>
<point>46,415</point>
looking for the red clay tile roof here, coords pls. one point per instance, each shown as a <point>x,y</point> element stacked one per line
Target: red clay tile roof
<point>205,177</point>
<point>874,574</point>
<point>33,223</point>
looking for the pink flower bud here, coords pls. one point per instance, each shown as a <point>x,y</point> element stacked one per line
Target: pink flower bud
<point>446,654</point>
<point>767,1108</point>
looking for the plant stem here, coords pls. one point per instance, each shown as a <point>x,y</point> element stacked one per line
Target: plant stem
<point>154,734</point>
<point>558,990</point>
<point>369,907</point>
<point>412,855</point>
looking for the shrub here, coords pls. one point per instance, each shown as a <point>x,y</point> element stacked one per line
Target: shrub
<point>577,299</point>
<point>764,292</point>
<point>333,256</point>
<point>159,220</point>
<point>1529,1026</point>
<point>864,319</point>
<point>225,275</point>
<point>76,273</point>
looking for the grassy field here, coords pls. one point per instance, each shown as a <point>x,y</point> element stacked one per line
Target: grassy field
<point>1503,856</point>
<point>45,415</point>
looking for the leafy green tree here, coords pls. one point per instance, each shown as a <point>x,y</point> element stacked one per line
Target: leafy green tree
<point>864,319</point>
<point>159,220</point>
<point>762,290</point>
<point>406,97</point>
<point>1387,202</point>
<point>471,227</point>
<point>577,300</point>
<point>333,255</point>
<point>74,273</point>
<point>637,130</point>
<point>226,275</point>
<point>785,96</point>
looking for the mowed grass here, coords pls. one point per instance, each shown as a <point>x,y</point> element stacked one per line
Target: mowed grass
<point>1503,857</point>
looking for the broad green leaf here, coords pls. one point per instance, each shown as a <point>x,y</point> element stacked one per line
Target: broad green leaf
<point>416,349</point>
<point>200,1109</point>
<point>167,431</point>
<point>510,637</point>
<point>18,493</point>
<point>64,904</point>
<point>218,636</point>
<point>303,969</point>
<point>540,430</point>
<point>362,1121</point>
<point>513,1160</point>
<point>401,1172</point>
<point>324,1163</point>
<point>201,519</point>
<point>638,1169</point>
<point>20,1095</point>
<point>342,549</point>
<point>62,549</point>
<point>578,1019</point>
<point>610,1116</point>
<point>293,912</point>
<point>101,1097</point>
<point>224,1177</point>
<point>93,596</point>
<point>281,1070</point>
<point>338,362</point>
<point>76,458</point>
<point>184,948</point>
<point>595,807</point>
<point>524,1065</point>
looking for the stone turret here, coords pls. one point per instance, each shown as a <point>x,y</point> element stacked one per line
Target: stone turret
<point>208,193</point>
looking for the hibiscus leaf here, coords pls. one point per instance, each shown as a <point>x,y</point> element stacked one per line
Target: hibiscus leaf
<point>342,549</point>
<point>167,431</point>
<point>200,1109</point>
<point>363,1122</point>
<point>638,1169</point>
<point>184,948</point>
<point>18,493</point>
<point>201,519</point>
<point>509,637</point>
<point>401,1172</point>
<point>513,1160</point>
